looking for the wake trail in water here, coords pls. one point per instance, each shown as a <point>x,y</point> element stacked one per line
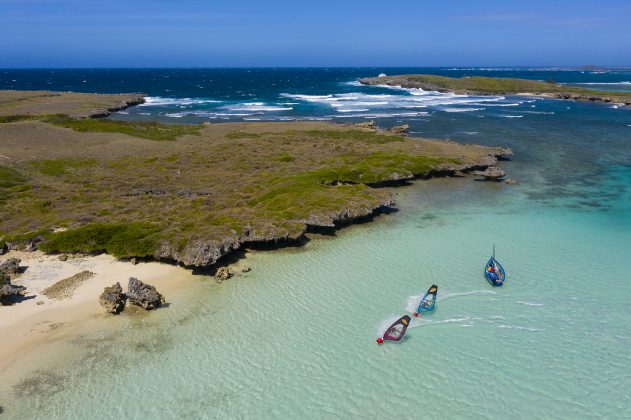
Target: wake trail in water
<point>414,300</point>
<point>529,303</point>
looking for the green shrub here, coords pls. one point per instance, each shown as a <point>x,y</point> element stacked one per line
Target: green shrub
<point>140,129</point>
<point>118,239</point>
<point>16,118</point>
<point>237,135</point>
<point>10,181</point>
<point>58,167</point>
<point>364,136</point>
<point>373,137</point>
<point>284,157</point>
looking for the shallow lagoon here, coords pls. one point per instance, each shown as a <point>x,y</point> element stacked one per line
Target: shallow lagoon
<point>296,335</point>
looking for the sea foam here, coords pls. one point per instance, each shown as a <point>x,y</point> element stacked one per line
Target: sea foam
<point>160,101</point>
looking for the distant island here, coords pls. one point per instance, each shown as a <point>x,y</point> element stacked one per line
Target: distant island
<point>193,193</point>
<point>477,85</point>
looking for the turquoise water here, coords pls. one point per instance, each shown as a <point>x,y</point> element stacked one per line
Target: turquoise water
<point>296,336</point>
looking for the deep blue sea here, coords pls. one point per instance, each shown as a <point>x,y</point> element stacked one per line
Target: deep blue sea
<point>296,336</point>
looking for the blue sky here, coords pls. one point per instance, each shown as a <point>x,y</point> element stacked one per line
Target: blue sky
<point>237,33</point>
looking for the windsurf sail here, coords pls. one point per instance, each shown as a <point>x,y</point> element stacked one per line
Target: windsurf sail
<point>494,272</point>
<point>396,331</point>
<point>429,300</point>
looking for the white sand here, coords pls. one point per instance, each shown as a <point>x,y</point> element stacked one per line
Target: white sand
<point>26,324</point>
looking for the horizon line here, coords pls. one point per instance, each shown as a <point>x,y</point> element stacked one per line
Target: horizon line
<point>463,67</point>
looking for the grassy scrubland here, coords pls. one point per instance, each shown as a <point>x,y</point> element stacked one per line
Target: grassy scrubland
<point>493,85</point>
<point>100,185</point>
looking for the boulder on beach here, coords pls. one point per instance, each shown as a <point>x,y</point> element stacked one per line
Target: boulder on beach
<point>10,267</point>
<point>223,273</point>
<point>492,173</point>
<point>144,295</point>
<point>113,299</point>
<point>8,290</point>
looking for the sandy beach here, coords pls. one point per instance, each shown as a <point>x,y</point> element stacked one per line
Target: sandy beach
<point>39,319</point>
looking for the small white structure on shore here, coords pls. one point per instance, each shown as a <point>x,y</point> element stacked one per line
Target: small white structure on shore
<point>382,75</point>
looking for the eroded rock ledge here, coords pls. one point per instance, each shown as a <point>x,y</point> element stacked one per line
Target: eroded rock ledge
<point>76,105</point>
<point>201,253</point>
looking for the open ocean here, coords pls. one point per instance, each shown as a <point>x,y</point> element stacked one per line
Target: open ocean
<point>296,336</point>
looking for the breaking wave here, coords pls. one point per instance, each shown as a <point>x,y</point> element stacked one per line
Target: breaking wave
<point>160,101</point>
<point>256,107</point>
<point>604,83</point>
<point>463,109</point>
<point>385,105</point>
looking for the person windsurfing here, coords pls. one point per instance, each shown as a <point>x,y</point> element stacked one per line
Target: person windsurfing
<point>396,331</point>
<point>429,300</point>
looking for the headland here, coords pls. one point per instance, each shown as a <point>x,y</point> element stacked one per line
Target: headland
<point>478,85</point>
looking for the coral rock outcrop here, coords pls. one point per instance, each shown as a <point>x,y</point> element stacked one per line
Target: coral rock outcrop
<point>113,299</point>
<point>143,295</point>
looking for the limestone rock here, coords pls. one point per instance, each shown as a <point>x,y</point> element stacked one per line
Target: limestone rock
<point>144,295</point>
<point>199,253</point>
<point>510,181</point>
<point>368,124</point>
<point>10,267</point>
<point>7,289</point>
<point>400,130</point>
<point>223,273</point>
<point>134,261</point>
<point>246,269</point>
<point>62,257</point>
<point>28,245</point>
<point>492,173</point>
<point>113,299</point>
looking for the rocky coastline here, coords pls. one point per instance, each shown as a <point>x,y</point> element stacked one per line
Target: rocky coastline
<point>278,170</point>
<point>207,253</point>
<point>76,105</point>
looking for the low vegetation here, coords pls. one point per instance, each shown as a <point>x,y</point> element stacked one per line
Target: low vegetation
<point>130,196</point>
<point>139,129</point>
<point>11,181</point>
<point>60,167</point>
<point>77,105</point>
<point>363,136</point>
<point>118,239</point>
